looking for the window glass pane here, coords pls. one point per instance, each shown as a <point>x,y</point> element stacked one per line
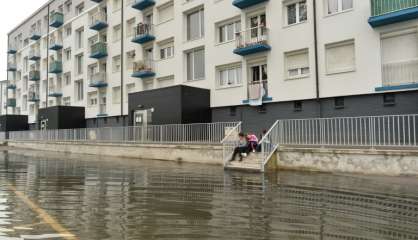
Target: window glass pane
<point>302,11</point>
<point>256,74</point>
<point>190,66</point>
<point>162,53</point>
<point>199,64</point>
<point>202,23</point>
<point>347,4</point>
<point>293,72</point>
<point>231,76</point>
<point>332,6</point>
<point>238,27</point>
<point>304,70</point>
<point>193,30</point>
<point>291,14</point>
<point>222,34</point>
<point>224,77</point>
<point>230,32</point>
<point>264,72</point>
<point>239,75</point>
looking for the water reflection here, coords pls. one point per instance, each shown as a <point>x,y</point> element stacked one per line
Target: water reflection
<point>106,198</point>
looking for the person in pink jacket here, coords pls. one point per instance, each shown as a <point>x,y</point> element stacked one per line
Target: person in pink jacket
<point>252,142</point>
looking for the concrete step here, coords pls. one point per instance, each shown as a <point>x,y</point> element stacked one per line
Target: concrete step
<point>250,163</point>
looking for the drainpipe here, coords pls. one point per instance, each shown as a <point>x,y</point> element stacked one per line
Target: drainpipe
<point>47,58</point>
<point>318,99</point>
<point>7,90</point>
<point>122,49</point>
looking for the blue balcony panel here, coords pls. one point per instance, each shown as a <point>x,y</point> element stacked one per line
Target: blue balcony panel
<point>99,25</point>
<point>34,58</point>
<point>11,102</point>
<point>266,99</point>
<point>34,99</point>
<point>97,1</point>
<point>397,88</point>
<point>246,3</point>
<point>35,36</point>
<point>11,69</point>
<point>255,48</point>
<point>55,47</point>
<point>57,20</point>
<point>12,51</point>
<point>143,74</point>
<point>102,115</point>
<point>11,86</point>
<point>98,84</point>
<point>98,55</point>
<point>55,94</point>
<point>394,17</point>
<point>143,39</point>
<point>143,4</point>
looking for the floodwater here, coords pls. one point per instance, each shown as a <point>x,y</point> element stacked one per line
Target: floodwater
<point>58,196</point>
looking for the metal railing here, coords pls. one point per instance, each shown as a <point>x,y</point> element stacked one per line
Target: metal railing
<point>98,47</point>
<point>2,136</point>
<point>393,131</point>
<point>35,31</point>
<point>146,65</point>
<point>98,78</point>
<point>56,17</point>
<point>34,53</point>
<point>102,109</point>
<point>55,41</point>
<point>34,75</point>
<point>380,7</point>
<point>11,65</point>
<point>143,29</point>
<point>401,72</point>
<point>230,142</point>
<point>198,133</point>
<point>98,17</point>
<point>54,89</point>
<point>252,36</point>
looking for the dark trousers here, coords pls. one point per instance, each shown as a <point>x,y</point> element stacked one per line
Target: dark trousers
<point>239,150</point>
<point>252,146</point>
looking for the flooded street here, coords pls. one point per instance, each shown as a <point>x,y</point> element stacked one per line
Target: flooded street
<point>57,196</point>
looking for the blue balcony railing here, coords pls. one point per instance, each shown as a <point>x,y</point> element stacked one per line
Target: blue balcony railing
<point>11,102</point>
<point>384,12</point>
<point>34,75</point>
<point>143,4</point>
<point>57,19</point>
<point>251,41</point>
<point>246,3</point>
<point>143,33</point>
<point>55,67</point>
<point>98,50</point>
<point>98,80</point>
<point>98,21</point>
<point>143,69</point>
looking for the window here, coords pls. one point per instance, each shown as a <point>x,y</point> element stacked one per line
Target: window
<point>340,57</point>
<point>92,99</point>
<point>228,31</point>
<point>117,5</point>
<point>80,38</point>
<point>297,64</point>
<point>166,12</point>
<point>339,102</point>
<point>79,90</point>
<point>116,64</point>
<point>195,25</point>
<point>167,51</point>
<point>130,58</point>
<point>296,12</point>
<point>116,95</point>
<point>130,25</point>
<point>336,6</point>
<point>196,65</point>
<point>79,9</point>
<point>67,53</point>
<point>229,76</point>
<point>79,60</point>
<point>68,4</point>
<point>67,78</point>
<point>297,106</point>
<point>116,33</point>
<point>68,31</point>
<point>67,101</point>
<point>389,99</point>
<point>399,51</point>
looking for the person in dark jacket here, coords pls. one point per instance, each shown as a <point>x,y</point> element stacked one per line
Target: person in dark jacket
<point>242,147</point>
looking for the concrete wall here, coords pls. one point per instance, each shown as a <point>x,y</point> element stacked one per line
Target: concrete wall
<point>207,154</point>
<point>370,162</point>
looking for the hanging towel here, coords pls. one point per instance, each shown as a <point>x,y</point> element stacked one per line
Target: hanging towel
<point>256,93</point>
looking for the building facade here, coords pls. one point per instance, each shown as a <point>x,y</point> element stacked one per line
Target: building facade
<point>261,60</point>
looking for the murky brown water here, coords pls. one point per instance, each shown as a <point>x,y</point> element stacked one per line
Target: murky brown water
<point>113,199</point>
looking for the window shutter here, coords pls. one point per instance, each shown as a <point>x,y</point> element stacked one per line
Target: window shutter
<point>340,57</point>
<point>166,13</point>
<point>297,60</point>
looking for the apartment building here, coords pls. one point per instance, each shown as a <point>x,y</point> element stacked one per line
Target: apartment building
<point>258,60</point>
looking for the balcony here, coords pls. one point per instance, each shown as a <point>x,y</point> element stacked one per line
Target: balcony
<point>400,75</point>
<point>97,1</point>
<point>246,3</point>
<point>34,55</point>
<point>143,33</point>
<point>385,12</point>
<point>34,75</point>
<point>98,80</point>
<point>55,67</point>
<point>35,34</point>
<point>11,102</point>
<point>98,50</point>
<point>143,69</point>
<point>98,21</point>
<point>54,91</point>
<point>11,86</point>
<point>11,67</point>
<point>102,110</point>
<point>57,19</point>
<point>33,95</point>
<point>257,93</point>
<point>12,50</point>
<point>143,4</point>
<point>251,41</point>
<point>55,44</point>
